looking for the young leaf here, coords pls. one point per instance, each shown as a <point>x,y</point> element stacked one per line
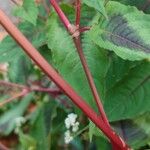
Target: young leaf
<point>98,5</point>
<point>126,32</point>
<point>28,11</point>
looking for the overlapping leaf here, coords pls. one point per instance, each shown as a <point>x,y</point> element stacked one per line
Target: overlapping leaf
<point>126,32</point>
<point>66,60</point>
<point>140,4</point>
<point>43,124</point>
<point>135,132</point>
<point>28,11</point>
<point>19,70</point>
<point>98,5</point>
<point>127,89</point>
<point>7,120</point>
<point>120,89</point>
<point>9,49</point>
<point>87,14</point>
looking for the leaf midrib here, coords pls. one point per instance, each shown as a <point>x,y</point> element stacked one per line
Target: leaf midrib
<point>118,36</point>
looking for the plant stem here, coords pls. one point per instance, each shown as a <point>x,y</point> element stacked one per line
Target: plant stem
<point>57,79</point>
<point>47,90</point>
<point>78,12</point>
<point>5,83</point>
<point>62,16</point>
<point>54,92</point>
<point>2,147</point>
<point>77,42</point>
<point>82,130</point>
<point>83,29</point>
<point>31,89</point>
<point>21,94</point>
<point>90,80</point>
<point>72,30</point>
<point>75,32</point>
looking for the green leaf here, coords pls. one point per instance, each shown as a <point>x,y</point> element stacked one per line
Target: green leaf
<point>28,11</point>
<point>87,14</point>
<point>19,69</point>
<point>140,4</point>
<point>7,120</point>
<point>135,132</point>
<point>66,60</point>
<point>42,124</point>
<point>98,5</point>
<point>46,53</point>
<point>127,89</point>
<point>9,49</point>
<point>94,131</point>
<point>27,142</point>
<point>102,144</point>
<point>143,122</point>
<point>126,32</point>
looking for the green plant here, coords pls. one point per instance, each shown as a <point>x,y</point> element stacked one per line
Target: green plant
<point>113,47</point>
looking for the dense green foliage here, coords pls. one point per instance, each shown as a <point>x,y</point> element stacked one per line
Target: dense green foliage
<point>117,49</point>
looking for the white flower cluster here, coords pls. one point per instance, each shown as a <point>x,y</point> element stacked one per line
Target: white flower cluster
<point>68,138</point>
<point>19,122</point>
<point>72,126</point>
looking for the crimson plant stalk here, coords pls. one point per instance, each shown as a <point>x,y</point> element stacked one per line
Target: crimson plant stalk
<point>55,77</point>
<point>74,30</point>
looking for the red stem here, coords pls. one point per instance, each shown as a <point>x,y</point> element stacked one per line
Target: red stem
<point>3,147</point>
<point>21,94</point>
<point>75,32</point>
<point>57,79</point>
<point>72,30</point>
<point>47,90</point>
<point>77,42</point>
<point>4,83</point>
<point>90,80</point>
<point>83,29</point>
<point>78,12</point>
<point>62,16</point>
<point>82,58</point>
<point>30,89</point>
